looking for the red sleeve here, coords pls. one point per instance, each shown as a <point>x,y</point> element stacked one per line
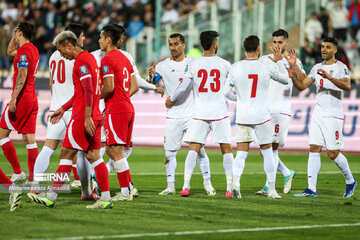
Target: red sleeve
<point>106,69</point>
<point>68,104</point>
<point>86,83</point>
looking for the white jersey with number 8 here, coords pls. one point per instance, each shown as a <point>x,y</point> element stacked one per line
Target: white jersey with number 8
<point>208,74</point>
<point>61,70</point>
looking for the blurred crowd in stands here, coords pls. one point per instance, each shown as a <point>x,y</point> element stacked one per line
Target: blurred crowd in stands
<point>338,18</point>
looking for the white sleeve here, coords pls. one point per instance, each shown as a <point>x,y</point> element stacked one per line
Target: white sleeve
<point>144,84</point>
<point>181,89</point>
<point>229,84</point>
<point>280,75</point>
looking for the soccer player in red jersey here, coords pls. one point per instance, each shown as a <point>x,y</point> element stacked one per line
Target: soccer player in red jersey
<point>83,131</point>
<point>119,85</point>
<point>20,114</point>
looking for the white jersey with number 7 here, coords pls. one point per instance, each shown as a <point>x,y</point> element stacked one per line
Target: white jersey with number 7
<point>208,74</point>
<point>251,79</point>
<point>61,70</point>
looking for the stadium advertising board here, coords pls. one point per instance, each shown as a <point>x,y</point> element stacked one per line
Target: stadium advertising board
<point>150,116</point>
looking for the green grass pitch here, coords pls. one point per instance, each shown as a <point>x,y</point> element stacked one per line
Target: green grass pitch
<point>201,216</point>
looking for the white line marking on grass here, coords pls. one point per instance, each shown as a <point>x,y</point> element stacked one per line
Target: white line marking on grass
<point>221,173</point>
<point>160,234</point>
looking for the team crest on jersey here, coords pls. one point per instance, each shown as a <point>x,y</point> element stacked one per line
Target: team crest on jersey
<point>346,71</point>
<point>106,69</point>
<point>186,68</point>
<point>23,58</point>
<point>83,69</point>
<point>331,72</point>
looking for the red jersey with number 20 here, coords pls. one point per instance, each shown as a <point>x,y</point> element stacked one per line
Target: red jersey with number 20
<point>115,64</point>
<point>86,69</point>
<point>27,56</point>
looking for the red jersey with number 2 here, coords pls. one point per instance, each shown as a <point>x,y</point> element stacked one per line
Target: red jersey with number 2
<point>86,69</point>
<point>117,65</point>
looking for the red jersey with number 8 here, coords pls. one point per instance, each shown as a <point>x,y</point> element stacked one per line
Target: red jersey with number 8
<point>116,65</point>
<point>85,67</point>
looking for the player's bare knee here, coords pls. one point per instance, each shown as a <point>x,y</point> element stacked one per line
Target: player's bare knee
<point>4,133</point>
<point>92,155</point>
<point>275,146</point>
<point>332,154</point>
<point>29,138</point>
<point>225,148</point>
<point>51,143</point>
<point>315,148</point>
<point>265,146</point>
<point>195,147</point>
<point>67,153</point>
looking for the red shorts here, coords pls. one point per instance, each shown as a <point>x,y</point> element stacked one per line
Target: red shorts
<point>23,120</point>
<point>77,138</point>
<point>118,128</point>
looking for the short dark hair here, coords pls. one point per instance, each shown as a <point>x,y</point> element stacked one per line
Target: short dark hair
<point>281,33</point>
<point>76,28</point>
<point>331,40</point>
<point>120,28</point>
<point>175,35</point>
<point>251,43</point>
<point>112,32</point>
<point>207,38</point>
<point>27,29</point>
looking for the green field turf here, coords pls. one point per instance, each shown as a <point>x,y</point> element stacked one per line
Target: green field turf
<point>196,217</point>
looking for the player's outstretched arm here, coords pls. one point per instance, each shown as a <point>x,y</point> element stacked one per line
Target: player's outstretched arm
<point>343,83</point>
<point>20,81</point>
<point>143,84</point>
<point>300,80</point>
<point>181,89</point>
<point>12,48</point>
<point>134,86</point>
<point>108,86</point>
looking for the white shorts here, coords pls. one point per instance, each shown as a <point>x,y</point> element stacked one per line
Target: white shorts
<point>57,131</point>
<point>280,127</point>
<point>174,133</point>
<point>326,132</point>
<point>199,130</point>
<point>261,134</point>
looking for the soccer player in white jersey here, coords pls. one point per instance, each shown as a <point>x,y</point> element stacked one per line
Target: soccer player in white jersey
<point>62,89</point>
<point>331,78</point>
<point>251,78</point>
<point>279,99</point>
<point>206,75</point>
<point>171,72</point>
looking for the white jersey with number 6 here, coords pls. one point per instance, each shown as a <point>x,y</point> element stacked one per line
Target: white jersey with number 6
<point>61,70</point>
<point>251,79</point>
<point>208,74</point>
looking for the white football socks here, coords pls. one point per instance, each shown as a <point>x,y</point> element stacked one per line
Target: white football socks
<point>228,159</point>
<point>238,167</point>
<point>43,160</point>
<point>190,163</point>
<point>127,151</point>
<point>84,172</point>
<point>204,164</point>
<point>343,165</point>
<point>102,152</point>
<point>170,167</point>
<point>280,165</point>
<point>314,165</point>
<point>269,167</point>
